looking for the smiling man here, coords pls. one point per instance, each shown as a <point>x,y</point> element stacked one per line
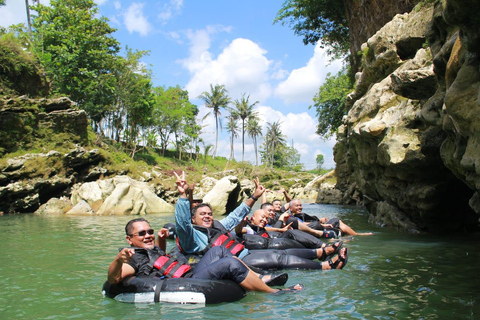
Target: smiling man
<point>198,233</point>
<point>147,258</point>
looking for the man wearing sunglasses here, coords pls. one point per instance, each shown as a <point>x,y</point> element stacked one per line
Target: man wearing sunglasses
<point>146,257</point>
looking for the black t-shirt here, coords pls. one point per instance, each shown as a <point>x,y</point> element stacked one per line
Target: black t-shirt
<point>143,260</point>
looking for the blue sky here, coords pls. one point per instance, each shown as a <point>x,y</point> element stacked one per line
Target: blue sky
<point>197,43</point>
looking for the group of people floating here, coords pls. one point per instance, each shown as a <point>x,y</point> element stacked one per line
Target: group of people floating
<point>238,248</point>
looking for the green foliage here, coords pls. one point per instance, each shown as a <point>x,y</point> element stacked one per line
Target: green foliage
<point>319,160</point>
<point>20,69</point>
<point>173,114</point>
<point>216,99</point>
<point>254,130</point>
<point>78,52</point>
<point>320,21</point>
<point>330,103</point>
<point>244,110</point>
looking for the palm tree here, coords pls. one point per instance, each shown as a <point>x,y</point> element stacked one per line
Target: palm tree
<point>273,138</point>
<point>216,99</point>
<point>232,127</point>
<point>244,110</point>
<point>254,130</point>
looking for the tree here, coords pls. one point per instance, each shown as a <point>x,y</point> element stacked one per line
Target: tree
<point>133,100</point>
<point>244,110</point>
<point>232,127</point>
<point>216,99</point>
<point>174,114</point>
<point>273,139</point>
<point>254,130</point>
<point>319,159</point>
<point>330,103</point>
<point>78,52</point>
<point>322,21</point>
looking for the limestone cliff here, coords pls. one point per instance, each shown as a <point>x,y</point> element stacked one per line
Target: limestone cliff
<point>409,147</point>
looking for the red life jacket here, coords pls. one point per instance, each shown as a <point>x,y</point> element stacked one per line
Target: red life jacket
<point>170,267</point>
<point>218,235</point>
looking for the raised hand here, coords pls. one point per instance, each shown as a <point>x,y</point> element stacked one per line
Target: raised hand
<point>182,185</point>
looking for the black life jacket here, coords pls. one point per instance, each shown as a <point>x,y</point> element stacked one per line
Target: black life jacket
<point>259,231</point>
<point>218,235</point>
<point>305,217</point>
<point>162,264</point>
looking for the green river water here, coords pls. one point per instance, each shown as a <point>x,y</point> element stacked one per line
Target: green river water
<point>54,268</point>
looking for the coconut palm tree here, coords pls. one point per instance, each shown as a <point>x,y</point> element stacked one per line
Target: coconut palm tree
<point>273,139</point>
<point>232,127</point>
<point>216,99</point>
<point>254,130</point>
<point>244,110</point>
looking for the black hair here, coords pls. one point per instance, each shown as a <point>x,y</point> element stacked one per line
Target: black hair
<point>129,226</point>
<point>201,205</point>
<point>276,200</point>
<point>266,204</point>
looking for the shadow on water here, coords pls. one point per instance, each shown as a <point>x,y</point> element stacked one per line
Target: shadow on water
<point>54,267</point>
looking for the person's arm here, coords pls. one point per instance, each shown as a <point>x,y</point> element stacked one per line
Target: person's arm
<point>237,215</point>
<point>190,195</point>
<point>286,195</point>
<point>240,228</point>
<point>264,196</point>
<point>161,240</point>
<point>191,240</point>
<point>119,269</point>
<point>289,226</point>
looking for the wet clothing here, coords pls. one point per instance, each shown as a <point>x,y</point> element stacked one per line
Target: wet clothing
<point>216,264</point>
<point>193,240</point>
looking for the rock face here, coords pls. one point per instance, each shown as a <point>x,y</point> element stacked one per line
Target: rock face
<point>24,189</point>
<point>409,148</point>
<point>120,195</point>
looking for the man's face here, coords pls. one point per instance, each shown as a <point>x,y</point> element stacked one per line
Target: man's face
<point>203,217</point>
<point>270,211</point>
<point>259,218</point>
<point>277,206</point>
<point>140,235</point>
<point>296,207</point>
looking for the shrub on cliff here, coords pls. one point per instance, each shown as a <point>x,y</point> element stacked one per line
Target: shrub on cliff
<point>20,70</point>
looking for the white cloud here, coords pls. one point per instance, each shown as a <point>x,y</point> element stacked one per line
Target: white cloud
<point>174,7</point>
<point>303,83</point>
<point>135,21</point>
<point>242,66</point>
<point>299,128</point>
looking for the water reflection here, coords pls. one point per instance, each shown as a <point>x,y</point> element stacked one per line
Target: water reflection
<point>53,268</point>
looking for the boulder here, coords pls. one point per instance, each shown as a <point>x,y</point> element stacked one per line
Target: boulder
<point>224,196</point>
<point>55,206</point>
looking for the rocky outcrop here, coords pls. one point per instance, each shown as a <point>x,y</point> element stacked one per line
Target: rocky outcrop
<point>120,195</point>
<point>24,120</point>
<point>409,147</point>
<point>24,187</point>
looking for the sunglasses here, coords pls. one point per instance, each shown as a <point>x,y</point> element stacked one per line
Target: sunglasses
<point>143,233</point>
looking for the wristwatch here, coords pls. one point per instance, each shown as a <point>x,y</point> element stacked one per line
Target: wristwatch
<point>253,197</point>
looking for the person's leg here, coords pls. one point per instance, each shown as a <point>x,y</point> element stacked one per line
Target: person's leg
<point>347,230</point>
<point>304,227</point>
<point>231,268</point>
<point>212,255</point>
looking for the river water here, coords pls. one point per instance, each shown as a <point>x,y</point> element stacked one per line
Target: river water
<point>54,267</point>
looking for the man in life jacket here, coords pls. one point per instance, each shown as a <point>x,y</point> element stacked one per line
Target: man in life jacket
<point>197,232</point>
<point>257,226</point>
<point>323,225</point>
<point>146,257</point>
